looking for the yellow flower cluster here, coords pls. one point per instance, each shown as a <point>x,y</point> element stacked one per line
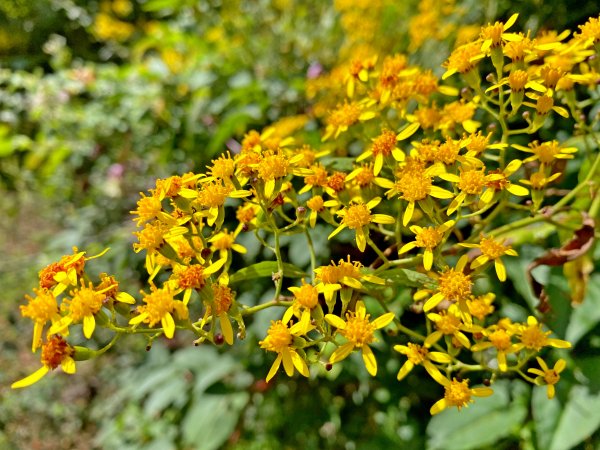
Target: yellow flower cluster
<point>423,192</point>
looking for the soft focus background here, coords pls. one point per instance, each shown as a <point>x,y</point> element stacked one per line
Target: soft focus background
<point>99,98</point>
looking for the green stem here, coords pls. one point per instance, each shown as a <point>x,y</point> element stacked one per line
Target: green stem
<point>255,309</point>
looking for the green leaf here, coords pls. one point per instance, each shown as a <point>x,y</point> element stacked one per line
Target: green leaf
<point>545,416</point>
<point>580,418</point>
<point>587,315</point>
<point>483,422</point>
<point>405,277</point>
<point>266,269</point>
<point>211,420</point>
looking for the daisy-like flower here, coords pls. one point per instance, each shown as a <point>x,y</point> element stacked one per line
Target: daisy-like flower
<point>532,337</point>
<point>55,352</point>
<point>457,393</point>
<point>547,376</point>
<point>415,185</point>
<point>224,242</point>
<point>188,278</point>
<point>419,355</point>
<point>481,306</point>
<point>472,184</point>
<point>222,301</point>
<point>493,35</point>
<point>306,299</point>
<point>453,285</point>
<point>427,238</point>
<point>280,339</point>
<point>449,323</point>
<point>41,309</point>
<point>463,60</point>
<point>160,306</point>
<point>491,250</point>
<point>344,116</point>
<point>499,337</point>
<point>344,276</point>
<point>358,217</point>
<point>152,238</point>
<point>500,181</point>
<point>384,145</point>
<point>359,333</point>
<point>546,152</point>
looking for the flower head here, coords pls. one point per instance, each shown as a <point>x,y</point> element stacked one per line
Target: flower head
<point>547,376</point>
<point>458,394</point>
<point>359,333</point>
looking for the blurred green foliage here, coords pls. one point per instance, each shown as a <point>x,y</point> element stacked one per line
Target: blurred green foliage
<point>91,112</point>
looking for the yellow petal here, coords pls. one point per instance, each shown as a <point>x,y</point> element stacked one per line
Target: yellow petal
<point>168,325</point>
<point>335,321</point>
<point>124,297</point>
<point>383,320</point>
<point>89,324</point>
<point>369,360</point>
<point>226,328</point>
<point>300,364</point>
<point>274,368</point>
<point>341,352</point>
<point>68,365</point>
<point>33,378</point>
<point>288,364</point>
<point>438,407</point>
<point>405,370</point>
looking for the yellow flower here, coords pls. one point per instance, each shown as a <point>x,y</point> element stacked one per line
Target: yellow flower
<point>457,393</point>
<point>384,145</point>
<point>546,152</point>
<point>344,116</point>
<point>449,323</point>
<point>548,377</point>
<point>55,352</point>
<point>481,306</point>
<point>346,275</point>
<point>427,238</point>
<point>159,307</point>
<point>500,338</point>
<point>42,308</point>
<point>223,298</point>
<point>280,339</point>
<point>419,355</point>
<point>415,185</point>
<point>491,250</point>
<point>358,217</point>
<point>453,285</point>
<point>533,338</point>
<point>223,242</point>
<point>82,306</point>
<point>359,333</point>
<point>306,298</point>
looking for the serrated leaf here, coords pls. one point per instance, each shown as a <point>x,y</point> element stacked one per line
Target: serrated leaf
<point>405,277</point>
<point>265,269</point>
<point>580,418</point>
<point>483,422</point>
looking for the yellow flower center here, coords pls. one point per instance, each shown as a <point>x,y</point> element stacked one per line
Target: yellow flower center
<point>547,151</point>
<point>245,214</point>
<point>41,308</point>
<point>492,249</point>
<point>455,285</point>
<point>461,59</point>
<point>471,181</point>
<point>273,167</point>
<point>460,112</point>
<point>416,354</point>
<point>278,337</point>
<point>358,329</point>
<point>307,296</point>
<point>551,377</point>
<point>477,142</point>
<point>544,104</point>
<point>538,180</point>
<point>448,151</point>
<point>223,241</point>
<point>390,72</point>
<point>365,177</point>
<point>349,269</point>
<point>551,76</point>
<point>516,50</point>
<point>148,208</point>
<point>223,298</point>
<point>357,216</point>
<point>192,277</point>
<point>479,307</point>
<point>429,237</point>
<point>534,338</point>
<point>517,80</point>
<point>590,30</point>
<point>151,237</point>
<point>169,186</point>
<point>493,32</point>
<point>55,351</point>
<point>318,177</point>
<point>213,194</point>
<point>158,304</point>
<point>500,339</point>
<point>384,143</point>
<point>414,186</point>
<point>85,302</point>
<point>448,323</point>
<point>223,168</point>
<point>345,115</point>
<point>457,393</point>
<point>428,117</point>
<point>316,203</point>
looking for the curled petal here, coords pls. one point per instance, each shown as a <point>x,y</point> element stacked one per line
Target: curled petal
<point>369,360</point>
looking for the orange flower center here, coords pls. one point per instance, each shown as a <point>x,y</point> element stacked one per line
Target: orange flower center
<point>457,393</point>
<point>358,329</point>
<point>455,285</point>
<point>357,216</point>
<point>278,337</point>
<point>429,238</point>
<point>55,351</point>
